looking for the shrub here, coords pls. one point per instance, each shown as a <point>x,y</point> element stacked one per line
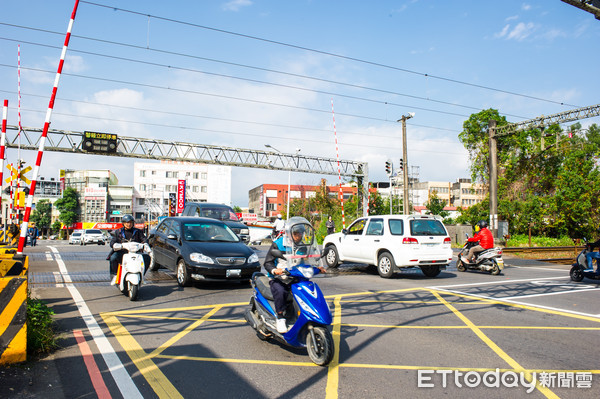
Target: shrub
<point>40,328</point>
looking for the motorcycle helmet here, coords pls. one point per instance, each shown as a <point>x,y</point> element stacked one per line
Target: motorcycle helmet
<point>482,224</point>
<point>127,218</point>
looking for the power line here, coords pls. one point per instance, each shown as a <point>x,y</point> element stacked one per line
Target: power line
<point>171,113</point>
<point>254,68</point>
<point>146,15</point>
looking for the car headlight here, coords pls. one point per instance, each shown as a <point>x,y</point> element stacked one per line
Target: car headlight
<point>253,258</point>
<point>200,258</point>
<point>244,231</point>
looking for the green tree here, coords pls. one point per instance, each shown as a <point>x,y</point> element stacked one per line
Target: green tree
<point>68,206</point>
<point>42,215</point>
<point>56,227</point>
<point>436,205</point>
<point>547,178</point>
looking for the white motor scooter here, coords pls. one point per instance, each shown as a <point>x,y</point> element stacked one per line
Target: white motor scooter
<point>130,273</point>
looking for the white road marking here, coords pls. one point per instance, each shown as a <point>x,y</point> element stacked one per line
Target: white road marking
<point>49,256</point>
<point>500,282</point>
<point>518,303</point>
<point>549,293</point>
<point>117,370</point>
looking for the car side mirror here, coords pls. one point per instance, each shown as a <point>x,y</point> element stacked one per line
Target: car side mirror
<point>172,236</point>
<point>344,231</point>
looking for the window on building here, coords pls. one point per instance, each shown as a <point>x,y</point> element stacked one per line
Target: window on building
<point>195,189</point>
<point>204,175</point>
<point>142,187</point>
<point>196,175</point>
<point>271,207</point>
<point>204,189</point>
<point>142,173</point>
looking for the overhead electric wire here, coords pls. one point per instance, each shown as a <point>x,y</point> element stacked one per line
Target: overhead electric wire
<point>147,85</point>
<point>225,119</point>
<point>387,146</point>
<point>255,68</point>
<point>456,81</point>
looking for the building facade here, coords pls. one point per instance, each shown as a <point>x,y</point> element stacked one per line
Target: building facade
<point>267,200</point>
<point>101,198</point>
<point>154,181</point>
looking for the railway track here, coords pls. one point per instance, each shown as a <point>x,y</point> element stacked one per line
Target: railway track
<point>559,255</point>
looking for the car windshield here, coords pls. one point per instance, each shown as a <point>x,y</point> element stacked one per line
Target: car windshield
<point>220,213</point>
<point>75,234</point>
<point>427,227</point>
<point>206,232</point>
<point>93,231</point>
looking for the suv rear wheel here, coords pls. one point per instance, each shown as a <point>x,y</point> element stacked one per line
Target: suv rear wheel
<point>430,270</point>
<point>386,265</point>
<point>331,257</point>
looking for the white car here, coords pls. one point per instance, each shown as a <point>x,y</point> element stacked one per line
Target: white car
<point>92,236</point>
<point>75,237</point>
<point>391,242</point>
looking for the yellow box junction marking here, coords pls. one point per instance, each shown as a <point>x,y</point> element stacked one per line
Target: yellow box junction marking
<point>164,389</point>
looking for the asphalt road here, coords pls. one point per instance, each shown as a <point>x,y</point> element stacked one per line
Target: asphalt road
<point>457,335</point>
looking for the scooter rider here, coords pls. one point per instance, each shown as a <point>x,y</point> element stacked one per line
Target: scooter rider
<point>127,233</point>
<point>485,238</point>
<point>276,266</point>
<point>591,255</point>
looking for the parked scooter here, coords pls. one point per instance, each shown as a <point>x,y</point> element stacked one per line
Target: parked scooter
<point>490,260</point>
<point>307,310</point>
<point>579,270</point>
<point>130,273</point>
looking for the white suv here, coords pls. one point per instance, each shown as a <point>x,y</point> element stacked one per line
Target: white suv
<point>92,236</point>
<point>391,242</point>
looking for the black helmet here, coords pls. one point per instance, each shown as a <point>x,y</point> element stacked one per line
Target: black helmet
<point>482,224</point>
<point>127,218</point>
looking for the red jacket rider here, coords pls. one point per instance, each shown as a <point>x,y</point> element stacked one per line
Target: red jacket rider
<point>485,238</point>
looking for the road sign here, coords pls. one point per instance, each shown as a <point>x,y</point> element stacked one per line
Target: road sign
<point>99,142</point>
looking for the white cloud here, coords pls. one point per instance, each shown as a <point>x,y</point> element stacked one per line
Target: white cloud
<point>512,18</point>
<point>526,7</point>
<point>236,5</point>
<point>521,31</point>
<point>503,32</point>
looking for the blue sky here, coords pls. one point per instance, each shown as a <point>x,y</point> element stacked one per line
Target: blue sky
<point>247,73</point>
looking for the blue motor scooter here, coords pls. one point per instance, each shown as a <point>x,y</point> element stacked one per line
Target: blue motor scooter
<point>579,270</point>
<point>307,311</point>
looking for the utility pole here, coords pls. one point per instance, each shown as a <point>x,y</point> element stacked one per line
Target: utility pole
<point>493,166</point>
<point>405,205</point>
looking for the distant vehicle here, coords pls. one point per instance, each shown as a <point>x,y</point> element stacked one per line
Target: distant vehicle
<point>391,242</point>
<point>75,237</point>
<point>201,249</point>
<point>53,237</point>
<point>220,212</point>
<point>92,236</point>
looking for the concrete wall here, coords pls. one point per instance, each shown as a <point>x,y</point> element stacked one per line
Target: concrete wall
<point>457,232</point>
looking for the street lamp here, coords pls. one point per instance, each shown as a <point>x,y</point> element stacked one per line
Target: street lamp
<point>405,158</point>
<point>289,178</point>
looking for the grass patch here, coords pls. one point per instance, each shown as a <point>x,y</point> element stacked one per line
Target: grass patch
<point>41,336</point>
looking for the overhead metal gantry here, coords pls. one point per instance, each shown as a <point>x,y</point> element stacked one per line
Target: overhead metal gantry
<point>591,6</point>
<point>147,148</point>
<point>545,121</point>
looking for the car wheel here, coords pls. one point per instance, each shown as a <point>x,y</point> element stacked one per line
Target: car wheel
<point>385,265</point>
<point>183,275</point>
<point>430,270</point>
<point>331,257</point>
<point>154,266</point>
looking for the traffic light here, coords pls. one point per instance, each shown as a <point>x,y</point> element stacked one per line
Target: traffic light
<point>388,167</point>
<point>401,167</point>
